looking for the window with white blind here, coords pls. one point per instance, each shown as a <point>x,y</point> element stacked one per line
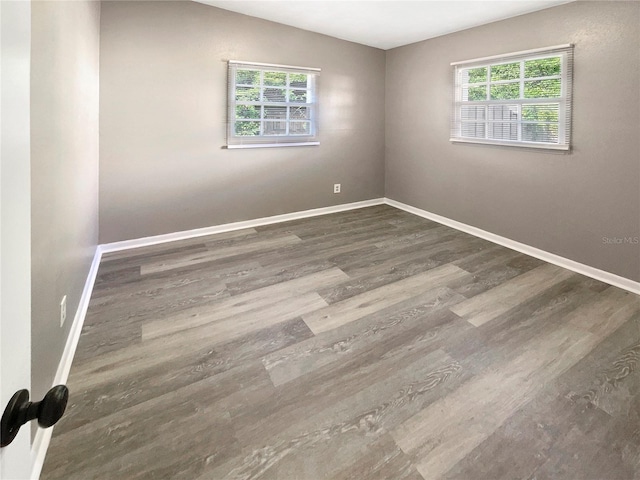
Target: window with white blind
<point>521,99</point>
<point>272,105</point>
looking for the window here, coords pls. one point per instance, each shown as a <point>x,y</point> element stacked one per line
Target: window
<point>521,99</point>
<point>272,105</point>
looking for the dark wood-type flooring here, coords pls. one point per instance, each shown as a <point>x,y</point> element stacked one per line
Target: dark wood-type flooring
<point>369,344</point>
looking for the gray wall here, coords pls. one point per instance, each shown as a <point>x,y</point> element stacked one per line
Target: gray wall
<point>163,102</point>
<point>64,171</point>
<point>564,204</point>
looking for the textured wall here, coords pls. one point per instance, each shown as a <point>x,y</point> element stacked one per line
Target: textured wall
<point>163,99</point>
<point>64,171</point>
<point>574,205</point>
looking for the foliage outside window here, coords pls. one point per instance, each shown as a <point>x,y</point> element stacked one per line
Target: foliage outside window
<point>521,99</point>
<point>271,105</point>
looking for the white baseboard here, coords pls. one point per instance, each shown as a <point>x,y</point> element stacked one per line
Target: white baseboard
<point>43,435</point>
<point>228,227</point>
<point>606,277</point>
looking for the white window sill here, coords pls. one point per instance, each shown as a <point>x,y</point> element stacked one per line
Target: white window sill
<point>272,145</point>
<point>540,146</point>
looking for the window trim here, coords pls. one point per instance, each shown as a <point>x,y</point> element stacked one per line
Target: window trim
<point>265,141</point>
<point>564,101</point>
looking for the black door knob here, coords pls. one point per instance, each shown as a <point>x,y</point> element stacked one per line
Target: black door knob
<point>20,411</point>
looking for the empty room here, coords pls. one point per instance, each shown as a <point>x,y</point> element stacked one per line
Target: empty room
<point>312,240</point>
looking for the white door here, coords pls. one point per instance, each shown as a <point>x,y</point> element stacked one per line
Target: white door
<point>15,224</point>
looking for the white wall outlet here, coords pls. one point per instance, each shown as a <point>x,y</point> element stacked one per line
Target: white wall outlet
<point>63,310</point>
<point>336,188</point>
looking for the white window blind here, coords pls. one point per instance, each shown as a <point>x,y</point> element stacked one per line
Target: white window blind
<point>521,99</point>
<point>272,105</point>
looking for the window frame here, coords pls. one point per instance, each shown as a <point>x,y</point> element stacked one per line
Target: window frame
<point>274,140</point>
<point>563,102</point>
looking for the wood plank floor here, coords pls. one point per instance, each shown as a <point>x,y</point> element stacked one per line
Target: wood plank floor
<point>369,344</point>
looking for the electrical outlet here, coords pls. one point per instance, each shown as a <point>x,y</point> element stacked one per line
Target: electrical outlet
<point>336,188</point>
<point>63,310</point>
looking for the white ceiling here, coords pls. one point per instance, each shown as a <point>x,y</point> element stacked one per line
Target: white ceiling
<point>384,24</point>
